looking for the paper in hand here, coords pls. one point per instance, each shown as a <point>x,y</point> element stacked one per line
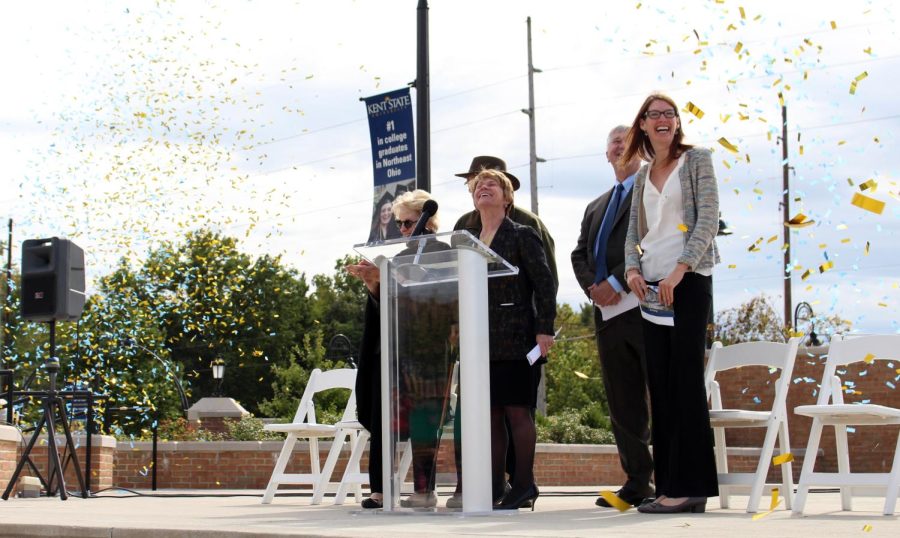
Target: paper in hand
<point>535,352</point>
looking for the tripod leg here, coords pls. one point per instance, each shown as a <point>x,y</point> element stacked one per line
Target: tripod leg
<point>52,449</point>
<point>24,459</point>
<point>70,446</point>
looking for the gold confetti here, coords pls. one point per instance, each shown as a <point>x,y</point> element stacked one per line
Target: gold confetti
<point>782,458</point>
<point>867,249</point>
<point>867,528</point>
<point>772,506</point>
<point>869,204</point>
<point>772,239</point>
<point>579,374</point>
<point>682,228</point>
<point>869,358</point>
<point>806,274</point>
<point>833,25</point>
<point>694,109</point>
<point>728,145</point>
<point>738,47</point>
<point>615,501</point>
<point>870,184</point>
<point>799,221</point>
<point>732,266</point>
<point>826,266</point>
<point>743,15</point>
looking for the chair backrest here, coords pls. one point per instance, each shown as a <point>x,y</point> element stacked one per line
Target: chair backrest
<point>769,354</point>
<point>845,350</point>
<point>341,378</point>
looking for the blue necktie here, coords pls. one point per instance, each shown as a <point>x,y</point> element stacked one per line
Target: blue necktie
<point>609,218</point>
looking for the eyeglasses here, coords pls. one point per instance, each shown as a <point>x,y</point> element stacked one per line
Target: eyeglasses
<point>655,114</point>
<point>405,223</point>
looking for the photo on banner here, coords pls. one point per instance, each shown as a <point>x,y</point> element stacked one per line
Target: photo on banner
<point>393,157</point>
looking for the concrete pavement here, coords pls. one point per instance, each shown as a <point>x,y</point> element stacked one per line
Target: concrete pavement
<point>560,512</point>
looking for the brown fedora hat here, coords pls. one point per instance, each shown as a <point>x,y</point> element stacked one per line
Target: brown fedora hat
<point>487,162</point>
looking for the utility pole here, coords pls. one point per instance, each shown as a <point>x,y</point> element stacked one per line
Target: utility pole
<point>531,134</point>
<point>423,109</point>
<point>786,216</point>
<point>6,346</point>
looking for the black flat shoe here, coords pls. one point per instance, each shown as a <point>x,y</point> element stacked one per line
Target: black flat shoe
<point>369,503</point>
<point>516,499</point>
<point>696,505</point>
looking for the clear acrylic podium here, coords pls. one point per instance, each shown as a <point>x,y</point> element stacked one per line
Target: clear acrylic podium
<point>433,308</point>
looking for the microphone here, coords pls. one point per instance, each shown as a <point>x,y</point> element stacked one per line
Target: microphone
<point>428,211</point>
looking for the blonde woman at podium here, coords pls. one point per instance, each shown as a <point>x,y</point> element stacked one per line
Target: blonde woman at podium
<point>422,408</point>
<point>521,310</point>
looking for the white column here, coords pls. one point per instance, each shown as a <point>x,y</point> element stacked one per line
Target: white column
<point>474,382</point>
<point>387,451</point>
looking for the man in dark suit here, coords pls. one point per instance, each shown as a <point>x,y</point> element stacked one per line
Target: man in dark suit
<point>599,264</point>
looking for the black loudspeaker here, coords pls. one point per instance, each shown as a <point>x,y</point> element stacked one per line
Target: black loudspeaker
<point>52,280</point>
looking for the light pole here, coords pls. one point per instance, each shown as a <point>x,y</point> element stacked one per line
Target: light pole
<point>218,372</point>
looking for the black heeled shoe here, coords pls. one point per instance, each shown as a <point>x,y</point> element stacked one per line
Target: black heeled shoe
<point>695,505</point>
<point>517,499</point>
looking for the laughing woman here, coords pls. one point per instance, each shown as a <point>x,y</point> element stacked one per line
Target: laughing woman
<point>670,247</point>
<point>521,312</point>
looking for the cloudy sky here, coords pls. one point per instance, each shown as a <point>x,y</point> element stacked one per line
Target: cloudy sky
<point>123,124</point>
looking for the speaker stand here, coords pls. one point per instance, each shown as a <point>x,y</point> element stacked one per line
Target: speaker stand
<point>54,411</point>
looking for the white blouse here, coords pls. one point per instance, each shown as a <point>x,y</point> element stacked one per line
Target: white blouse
<point>665,240</point>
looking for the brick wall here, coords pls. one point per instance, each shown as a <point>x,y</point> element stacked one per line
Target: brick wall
<point>247,465</point>
<point>871,448</point>
<point>103,449</point>
<point>9,442</point>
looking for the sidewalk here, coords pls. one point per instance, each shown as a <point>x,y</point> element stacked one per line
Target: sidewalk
<point>560,512</point>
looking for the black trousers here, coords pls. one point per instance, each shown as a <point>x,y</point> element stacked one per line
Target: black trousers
<point>620,344</point>
<point>683,456</point>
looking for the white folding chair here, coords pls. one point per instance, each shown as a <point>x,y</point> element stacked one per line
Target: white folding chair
<point>352,473</point>
<point>830,410</point>
<point>305,425</point>
<point>774,356</point>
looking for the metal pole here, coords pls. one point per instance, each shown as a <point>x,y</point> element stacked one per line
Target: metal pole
<point>7,333</point>
<point>786,216</point>
<point>423,109</point>
<point>532,143</point>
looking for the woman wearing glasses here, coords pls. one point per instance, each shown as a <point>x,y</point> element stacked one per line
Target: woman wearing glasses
<point>423,377</point>
<point>669,253</point>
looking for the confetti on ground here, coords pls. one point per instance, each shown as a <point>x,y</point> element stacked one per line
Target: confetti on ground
<point>772,506</point>
<point>615,501</point>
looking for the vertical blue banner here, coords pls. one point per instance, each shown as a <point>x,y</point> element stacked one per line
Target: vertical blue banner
<point>393,156</point>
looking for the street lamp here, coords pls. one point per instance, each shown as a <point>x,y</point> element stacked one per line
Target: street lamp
<point>218,372</point>
<point>804,312</point>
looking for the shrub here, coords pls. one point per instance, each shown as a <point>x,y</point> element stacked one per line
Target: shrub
<point>569,427</point>
<point>249,428</point>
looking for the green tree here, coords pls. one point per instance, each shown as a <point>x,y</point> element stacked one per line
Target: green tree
<point>337,303</point>
<point>215,302</point>
<point>291,380</point>
<point>574,381</point>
